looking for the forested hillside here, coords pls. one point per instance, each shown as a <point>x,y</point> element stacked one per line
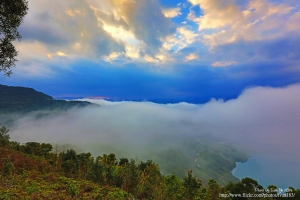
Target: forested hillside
<point>23,100</point>
<point>37,171</point>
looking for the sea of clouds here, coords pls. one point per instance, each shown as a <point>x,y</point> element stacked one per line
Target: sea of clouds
<point>263,120</point>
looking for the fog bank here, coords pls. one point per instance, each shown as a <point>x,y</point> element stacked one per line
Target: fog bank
<point>263,120</point>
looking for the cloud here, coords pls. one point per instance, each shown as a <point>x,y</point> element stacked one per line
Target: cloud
<point>224,63</point>
<point>282,49</point>
<point>248,32</point>
<point>60,53</point>
<point>191,56</point>
<point>216,13</point>
<point>171,12</point>
<point>150,59</point>
<point>59,26</point>
<point>145,19</point>
<point>94,31</point>
<point>292,23</point>
<point>257,20</point>
<point>131,31</point>
<point>263,120</point>
<point>183,37</point>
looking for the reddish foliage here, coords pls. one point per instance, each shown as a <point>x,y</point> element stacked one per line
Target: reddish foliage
<point>22,161</point>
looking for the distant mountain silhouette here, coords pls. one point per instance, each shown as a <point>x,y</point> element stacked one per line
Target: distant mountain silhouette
<point>23,100</point>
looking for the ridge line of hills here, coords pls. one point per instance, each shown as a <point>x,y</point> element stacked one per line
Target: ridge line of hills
<point>24,100</point>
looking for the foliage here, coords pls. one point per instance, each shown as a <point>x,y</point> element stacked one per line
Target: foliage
<point>37,149</point>
<point>73,189</point>
<point>191,186</point>
<point>4,136</point>
<point>8,168</point>
<point>32,171</point>
<point>12,13</point>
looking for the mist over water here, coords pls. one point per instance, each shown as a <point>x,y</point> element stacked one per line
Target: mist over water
<point>264,121</point>
<point>268,170</point>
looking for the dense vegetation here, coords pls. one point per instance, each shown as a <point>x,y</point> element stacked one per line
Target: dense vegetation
<point>24,100</point>
<point>37,171</point>
<point>11,17</point>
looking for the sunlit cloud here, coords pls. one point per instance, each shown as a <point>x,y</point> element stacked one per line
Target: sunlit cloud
<point>113,56</point>
<point>292,24</point>
<point>223,63</point>
<point>136,33</point>
<point>132,51</point>
<point>60,53</point>
<point>151,59</point>
<point>171,12</point>
<point>181,39</point>
<point>191,56</point>
<point>87,29</point>
<point>161,57</point>
<point>49,56</point>
<point>258,20</point>
<point>73,13</point>
<point>132,29</point>
<point>68,27</point>
<point>216,14</point>
<point>255,30</point>
<point>120,34</point>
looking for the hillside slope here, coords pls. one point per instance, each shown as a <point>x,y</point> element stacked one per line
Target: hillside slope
<point>34,171</point>
<point>23,100</point>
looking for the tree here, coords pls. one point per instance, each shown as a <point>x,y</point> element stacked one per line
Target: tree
<point>12,13</point>
<point>4,136</point>
<point>38,149</point>
<point>213,189</point>
<point>192,186</point>
<point>69,162</point>
<point>246,185</point>
<point>174,187</point>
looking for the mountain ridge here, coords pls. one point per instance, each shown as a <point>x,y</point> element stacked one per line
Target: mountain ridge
<point>17,99</point>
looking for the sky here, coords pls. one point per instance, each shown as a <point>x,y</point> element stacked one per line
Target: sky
<point>157,50</point>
